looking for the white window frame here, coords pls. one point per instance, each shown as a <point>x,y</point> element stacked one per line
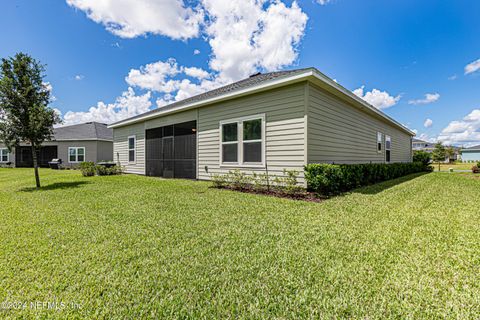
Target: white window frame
<point>240,162</point>
<point>379,135</point>
<point>1,155</point>
<point>76,154</point>
<point>389,139</point>
<point>134,149</point>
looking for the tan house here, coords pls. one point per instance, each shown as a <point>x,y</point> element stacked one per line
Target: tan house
<point>267,122</point>
<point>91,141</point>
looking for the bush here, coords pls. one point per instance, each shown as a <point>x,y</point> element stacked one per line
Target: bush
<point>422,156</point>
<point>476,169</point>
<point>330,179</point>
<point>87,168</point>
<point>238,180</point>
<point>219,181</point>
<point>108,171</point>
<point>288,183</point>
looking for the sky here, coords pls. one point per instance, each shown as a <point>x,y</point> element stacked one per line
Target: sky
<point>106,60</point>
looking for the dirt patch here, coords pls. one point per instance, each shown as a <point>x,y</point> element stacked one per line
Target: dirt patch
<point>301,196</point>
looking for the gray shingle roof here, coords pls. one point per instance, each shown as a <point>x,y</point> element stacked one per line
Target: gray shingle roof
<point>84,131</point>
<point>236,86</point>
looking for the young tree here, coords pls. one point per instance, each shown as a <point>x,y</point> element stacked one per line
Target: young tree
<point>439,154</point>
<point>450,153</point>
<point>24,112</point>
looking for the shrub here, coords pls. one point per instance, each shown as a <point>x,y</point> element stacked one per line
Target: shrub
<point>422,156</point>
<point>476,169</point>
<point>238,180</point>
<point>108,171</point>
<point>219,181</point>
<point>329,179</point>
<point>87,168</point>
<point>288,183</point>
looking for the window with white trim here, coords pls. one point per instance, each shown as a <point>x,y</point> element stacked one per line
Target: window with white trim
<point>242,141</point>
<point>4,154</point>
<point>379,142</point>
<point>76,154</point>
<point>388,146</point>
<point>131,148</point>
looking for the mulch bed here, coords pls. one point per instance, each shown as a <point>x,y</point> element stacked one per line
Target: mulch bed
<point>301,196</point>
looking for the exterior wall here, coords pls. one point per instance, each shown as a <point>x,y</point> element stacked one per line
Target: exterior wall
<point>284,130</point>
<point>95,151</point>
<point>340,133</point>
<point>11,156</point>
<point>469,156</point>
<point>104,151</point>
<point>120,139</point>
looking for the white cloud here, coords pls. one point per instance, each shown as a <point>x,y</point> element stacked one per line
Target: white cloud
<point>154,76</point>
<point>453,77</point>
<point>428,123</point>
<point>196,72</point>
<point>323,2</point>
<point>249,35</point>
<point>378,99</point>
<point>195,52</point>
<point>429,98</point>
<point>79,77</point>
<point>125,106</point>
<point>133,18</point>
<point>48,86</point>
<point>472,67</point>
<point>463,132</point>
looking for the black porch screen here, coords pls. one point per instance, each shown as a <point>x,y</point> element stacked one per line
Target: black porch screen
<point>171,151</point>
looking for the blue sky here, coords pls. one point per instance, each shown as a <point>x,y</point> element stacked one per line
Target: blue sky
<point>167,50</point>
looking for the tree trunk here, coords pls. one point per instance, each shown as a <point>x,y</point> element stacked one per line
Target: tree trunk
<point>35,166</point>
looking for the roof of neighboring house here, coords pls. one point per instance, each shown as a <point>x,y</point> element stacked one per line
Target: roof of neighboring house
<point>472,148</point>
<point>256,83</point>
<point>84,131</point>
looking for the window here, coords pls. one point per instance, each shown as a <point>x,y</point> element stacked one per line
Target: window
<point>131,149</point>
<point>252,141</point>
<point>76,154</point>
<point>388,146</point>
<point>230,142</point>
<point>4,155</point>
<point>379,141</point>
<point>242,141</point>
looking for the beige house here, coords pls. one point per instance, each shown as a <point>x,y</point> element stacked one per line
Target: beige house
<point>267,122</point>
<point>91,141</point>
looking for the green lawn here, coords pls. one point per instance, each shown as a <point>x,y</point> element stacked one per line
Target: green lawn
<point>132,247</point>
<point>455,166</point>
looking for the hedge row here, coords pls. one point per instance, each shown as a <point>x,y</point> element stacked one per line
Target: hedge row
<point>330,179</point>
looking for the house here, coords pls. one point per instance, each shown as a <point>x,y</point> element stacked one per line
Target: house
<point>420,145</point>
<point>265,123</point>
<point>471,154</point>
<point>91,141</point>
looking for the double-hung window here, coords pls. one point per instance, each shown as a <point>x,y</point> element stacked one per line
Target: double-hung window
<point>3,155</point>
<point>388,146</point>
<point>379,142</point>
<point>76,154</point>
<point>131,148</point>
<point>242,141</point>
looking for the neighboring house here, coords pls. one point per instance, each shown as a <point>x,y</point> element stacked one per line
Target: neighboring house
<point>471,154</point>
<point>267,122</point>
<point>91,141</point>
<point>420,145</point>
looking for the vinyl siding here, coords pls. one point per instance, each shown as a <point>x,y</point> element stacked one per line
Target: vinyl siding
<point>341,133</point>
<point>11,155</point>
<point>284,130</point>
<point>104,151</point>
<point>120,138</point>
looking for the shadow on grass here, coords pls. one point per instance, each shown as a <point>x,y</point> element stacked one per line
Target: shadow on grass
<point>56,186</point>
<point>382,186</point>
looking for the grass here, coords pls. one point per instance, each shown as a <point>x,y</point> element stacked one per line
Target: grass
<point>455,166</point>
<point>137,247</point>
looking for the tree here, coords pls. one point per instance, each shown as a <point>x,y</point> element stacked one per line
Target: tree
<point>24,112</point>
<point>439,154</point>
<point>450,153</point>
